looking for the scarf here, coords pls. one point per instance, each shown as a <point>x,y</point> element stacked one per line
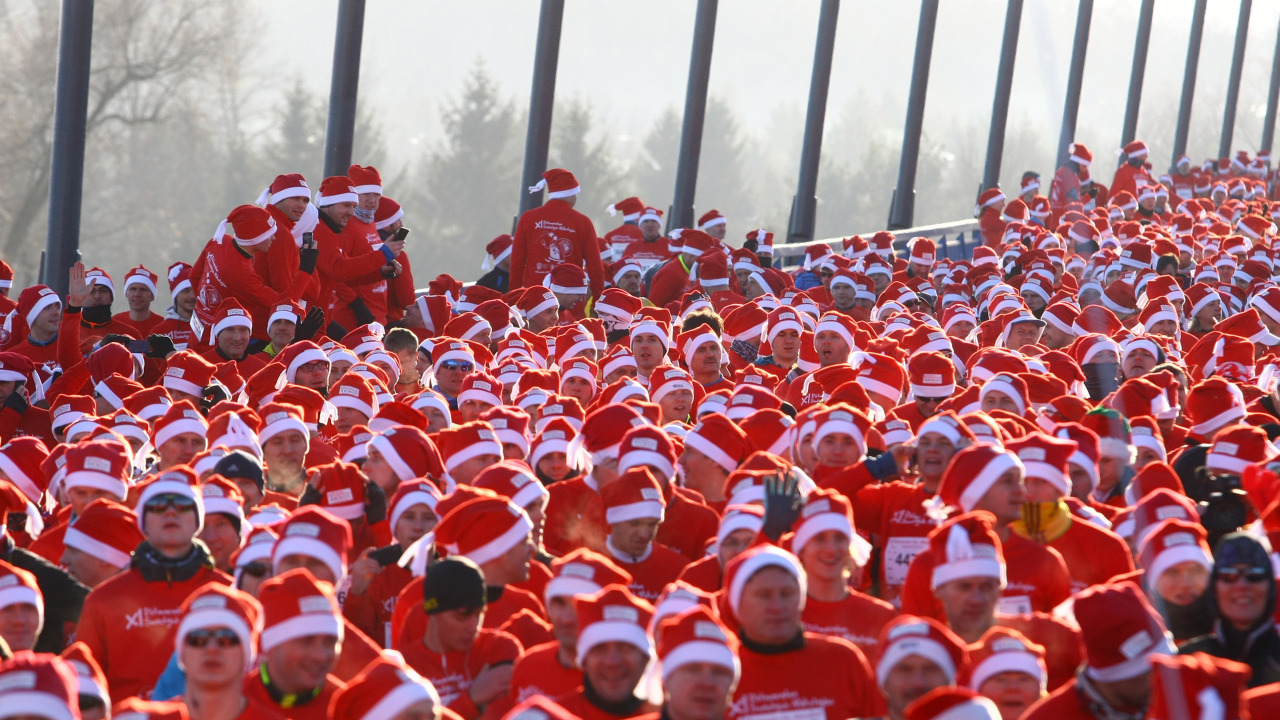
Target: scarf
<point>365,215</point>
<point>1044,522</point>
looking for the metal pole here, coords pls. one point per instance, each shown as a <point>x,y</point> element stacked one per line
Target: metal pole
<point>1189,81</point>
<point>70,121</point>
<point>546,58</point>
<point>904,195</point>
<point>695,111</point>
<point>1004,88</point>
<point>1233,84</point>
<point>1075,79</point>
<point>340,134</point>
<point>1273,95</point>
<point>805,206</point>
<point>1138,73</point>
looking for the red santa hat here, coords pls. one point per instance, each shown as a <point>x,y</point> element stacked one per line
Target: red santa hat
<point>1121,631</point>
<point>923,637</point>
<point>216,606</point>
<point>366,179</point>
<point>1212,404</point>
<point>952,703</point>
<point>567,279</point>
<point>967,546</point>
<point>281,417</point>
<point>483,529</point>
<point>646,445</point>
<point>1198,686</point>
<point>19,587</point>
<point>842,418</point>
<point>317,533</point>
<point>631,208</point>
<point>932,375</point>
<point>106,530</point>
<point>613,615</point>
<point>385,689</point>
<point>696,636</point>
<point>408,450</point>
<point>141,276</point>
<point>829,510</point>
<point>283,188</point>
<point>1045,457</point>
<point>99,464</point>
<point>496,251</point>
<point>180,480</point>
<point>969,476</point>
<point>745,565</point>
<point>33,300</point>
<point>739,517</point>
<point>466,441</point>
<point>711,218</point>
<point>411,493</point>
<point>188,373</point>
<point>296,605</point>
<point>336,189</point>
<point>341,487</point>
<point>513,480</point>
<point>635,495</point>
<point>181,417</point>
<point>90,679</point>
<point>923,251</point>
<point>764,241</point>
<point>388,212</point>
<point>354,393</point>
<point>1002,650</point>
<point>1169,542</point>
<point>39,685</point>
<point>1236,448</point>
<point>179,275</point>
<point>717,437</point>
<point>230,313</point>
<point>251,225</point>
<point>558,183</point>
<point>20,461</point>
<point>583,572</point>
<point>98,276</point>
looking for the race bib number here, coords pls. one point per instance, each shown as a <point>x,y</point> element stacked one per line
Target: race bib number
<point>1014,605</point>
<point>898,553</point>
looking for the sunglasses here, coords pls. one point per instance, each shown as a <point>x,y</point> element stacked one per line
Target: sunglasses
<point>255,569</point>
<point>932,400</point>
<point>1252,576</point>
<point>163,503</point>
<point>219,637</point>
<point>456,365</point>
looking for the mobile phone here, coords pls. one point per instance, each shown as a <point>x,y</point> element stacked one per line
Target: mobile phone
<point>308,239</point>
<point>401,234</point>
<point>140,346</point>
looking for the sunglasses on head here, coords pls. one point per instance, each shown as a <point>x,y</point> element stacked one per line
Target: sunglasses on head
<point>218,637</point>
<point>163,503</point>
<point>1251,575</point>
<point>456,365</point>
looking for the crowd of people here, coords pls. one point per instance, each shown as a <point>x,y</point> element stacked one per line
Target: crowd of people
<point>658,475</point>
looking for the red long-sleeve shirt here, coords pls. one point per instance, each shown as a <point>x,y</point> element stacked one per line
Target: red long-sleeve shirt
<point>893,513</point>
<point>827,678</point>
<point>337,269</point>
<point>278,266</point>
<point>650,574</point>
<point>552,234</point>
<point>452,673</point>
<point>858,618</point>
<point>540,672</point>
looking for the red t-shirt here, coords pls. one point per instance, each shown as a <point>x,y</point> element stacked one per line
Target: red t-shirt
<point>828,679</point>
<point>540,672</point>
<point>452,673</point>
<point>858,618</point>
<point>651,575</point>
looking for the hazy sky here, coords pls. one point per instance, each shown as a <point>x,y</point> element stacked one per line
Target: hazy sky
<point>631,59</point>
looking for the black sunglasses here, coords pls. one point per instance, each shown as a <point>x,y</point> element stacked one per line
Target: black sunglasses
<point>219,637</point>
<point>456,365</point>
<point>162,503</point>
<point>932,400</point>
<point>1252,576</point>
<point>255,569</point>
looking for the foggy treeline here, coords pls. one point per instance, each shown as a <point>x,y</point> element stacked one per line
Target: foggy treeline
<point>186,121</point>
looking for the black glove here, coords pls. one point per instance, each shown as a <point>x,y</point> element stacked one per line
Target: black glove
<point>161,346</point>
<point>310,496</point>
<point>214,394</point>
<point>363,316</point>
<point>334,330</point>
<point>17,402</point>
<point>751,244</point>
<point>389,271</point>
<point>114,338</point>
<point>310,324</point>
<point>375,503</point>
<point>782,503</point>
<point>307,257</point>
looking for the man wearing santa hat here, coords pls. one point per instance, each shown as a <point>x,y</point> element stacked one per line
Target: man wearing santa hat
<point>140,292</point>
<point>700,667</point>
<point>556,233</point>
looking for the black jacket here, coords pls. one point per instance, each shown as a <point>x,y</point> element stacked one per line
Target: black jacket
<point>63,597</point>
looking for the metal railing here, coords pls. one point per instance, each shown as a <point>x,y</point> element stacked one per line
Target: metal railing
<point>954,241</point>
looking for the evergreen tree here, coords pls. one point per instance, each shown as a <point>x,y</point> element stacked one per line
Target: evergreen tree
<point>579,148</point>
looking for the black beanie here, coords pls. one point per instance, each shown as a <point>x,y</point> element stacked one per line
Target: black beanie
<point>451,584</point>
<point>240,464</point>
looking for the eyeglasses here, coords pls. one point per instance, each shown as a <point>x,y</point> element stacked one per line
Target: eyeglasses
<point>218,637</point>
<point>167,501</point>
<point>255,569</point>
<point>1252,576</point>
<point>462,365</point>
